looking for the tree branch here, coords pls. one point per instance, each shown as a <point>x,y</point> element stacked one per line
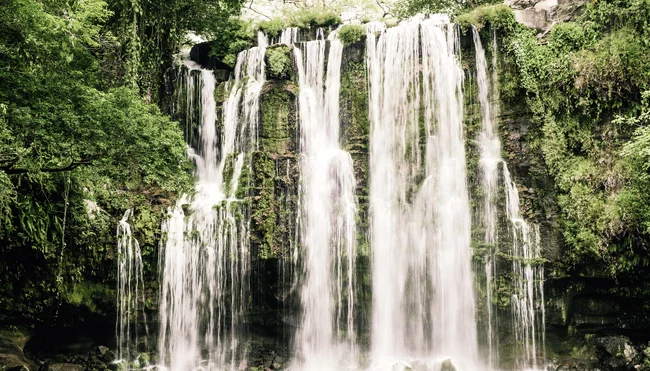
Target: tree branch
<point>73,165</point>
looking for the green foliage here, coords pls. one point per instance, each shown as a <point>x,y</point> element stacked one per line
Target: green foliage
<point>272,27</point>
<point>409,8</point>
<point>75,152</point>
<point>94,297</point>
<point>635,199</point>
<point>278,61</point>
<point>350,34</point>
<point>583,85</point>
<point>301,18</point>
<point>149,33</point>
<point>498,16</point>
<point>313,17</point>
<point>233,37</point>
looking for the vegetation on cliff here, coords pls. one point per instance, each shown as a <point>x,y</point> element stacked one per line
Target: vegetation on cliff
<point>79,144</point>
<point>586,84</point>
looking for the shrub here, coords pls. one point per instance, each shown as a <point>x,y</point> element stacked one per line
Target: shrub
<point>230,60</point>
<point>350,34</point>
<point>278,60</point>
<point>314,18</point>
<point>272,27</point>
<point>236,35</point>
<point>499,16</point>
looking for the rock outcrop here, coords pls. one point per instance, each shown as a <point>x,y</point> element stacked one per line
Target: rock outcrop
<point>543,14</point>
<point>12,356</point>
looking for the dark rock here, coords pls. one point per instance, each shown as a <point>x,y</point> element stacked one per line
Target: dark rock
<point>200,53</point>
<point>595,306</point>
<point>109,356</point>
<point>616,352</point>
<point>102,350</point>
<point>268,360</point>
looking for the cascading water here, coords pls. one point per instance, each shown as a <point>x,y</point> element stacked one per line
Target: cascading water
<point>205,261</point>
<point>289,36</point>
<point>131,317</point>
<point>490,157</point>
<point>328,214</point>
<point>527,302</point>
<point>423,298</point>
<point>423,309</point>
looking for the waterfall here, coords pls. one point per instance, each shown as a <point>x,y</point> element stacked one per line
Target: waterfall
<point>130,290</point>
<point>205,260</point>
<point>527,301</point>
<point>328,211</point>
<point>490,157</point>
<point>423,297</point>
<point>289,36</point>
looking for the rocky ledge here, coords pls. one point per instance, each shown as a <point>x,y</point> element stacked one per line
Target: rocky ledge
<point>543,14</point>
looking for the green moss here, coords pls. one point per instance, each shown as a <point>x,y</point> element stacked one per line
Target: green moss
<point>355,137</point>
<point>278,62</point>
<point>228,171</point>
<point>351,33</point>
<point>244,179</point>
<point>576,83</point>
<point>220,93</point>
<point>264,206</point>
<point>274,133</point>
<point>503,291</point>
<point>354,97</point>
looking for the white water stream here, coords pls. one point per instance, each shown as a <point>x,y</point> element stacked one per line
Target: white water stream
<point>131,316</point>
<point>205,261</point>
<point>527,302</point>
<point>490,152</point>
<point>328,214</point>
<point>423,300</point>
<point>423,296</point>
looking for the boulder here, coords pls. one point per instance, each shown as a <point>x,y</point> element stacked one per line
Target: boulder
<point>616,352</point>
<point>200,53</point>
<point>541,15</point>
<point>12,356</point>
<point>447,366</point>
